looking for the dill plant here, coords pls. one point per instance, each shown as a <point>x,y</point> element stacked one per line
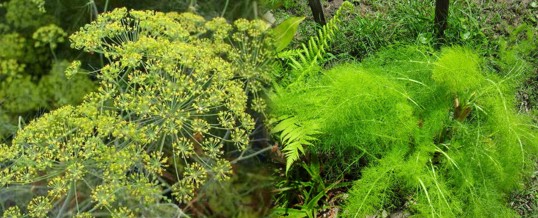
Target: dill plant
<point>434,133</point>
<point>172,98</point>
<point>26,14</point>
<point>31,74</point>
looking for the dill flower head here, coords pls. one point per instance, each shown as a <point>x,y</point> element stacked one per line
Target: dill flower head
<point>171,100</point>
<point>49,35</point>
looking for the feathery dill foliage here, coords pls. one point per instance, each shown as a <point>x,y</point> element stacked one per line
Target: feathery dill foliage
<point>458,70</point>
<point>171,100</point>
<point>441,137</point>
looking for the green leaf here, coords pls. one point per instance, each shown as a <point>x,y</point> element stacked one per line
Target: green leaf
<point>289,212</point>
<point>285,31</point>
<point>284,123</point>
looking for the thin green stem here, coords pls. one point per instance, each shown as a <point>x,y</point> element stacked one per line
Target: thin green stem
<point>225,8</point>
<point>251,155</point>
<point>106,6</point>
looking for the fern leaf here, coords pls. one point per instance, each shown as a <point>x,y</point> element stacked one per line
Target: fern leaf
<point>313,52</point>
<point>288,53</point>
<point>292,154</point>
<point>294,135</point>
<point>295,64</point>
<point>285,123</point>
<point>304,60</point>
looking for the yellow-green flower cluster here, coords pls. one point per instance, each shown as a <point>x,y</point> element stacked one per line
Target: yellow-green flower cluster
<point>49,35</point>
<point>24,14</point>
<point>97,153</point>
<point>174,80</point>
<point>12,46</point>
<point>250,44</point>
<point>28,84</point>
<point>12,212</point>
<point>171,101</point>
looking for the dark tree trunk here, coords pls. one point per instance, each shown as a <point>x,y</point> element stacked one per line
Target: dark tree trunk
<point>317,11</point>
<point>441,15</point>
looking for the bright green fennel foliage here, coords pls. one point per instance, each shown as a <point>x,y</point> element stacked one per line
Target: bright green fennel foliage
<point>454,165</point>
<point>428,150</point>
<point>334,101</point>
<point>458,69</point>
<point>171,100</point>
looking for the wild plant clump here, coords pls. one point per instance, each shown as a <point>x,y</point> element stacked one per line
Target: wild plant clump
<point>435,133</point>
<point>172,98</point>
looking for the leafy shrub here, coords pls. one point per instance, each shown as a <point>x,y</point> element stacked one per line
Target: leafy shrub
<point>57,89</point>
<point>171,100</point>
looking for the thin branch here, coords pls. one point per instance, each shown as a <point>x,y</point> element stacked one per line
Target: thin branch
<point>251,155</point>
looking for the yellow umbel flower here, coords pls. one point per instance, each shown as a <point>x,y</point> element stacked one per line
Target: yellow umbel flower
<point>175,91</point>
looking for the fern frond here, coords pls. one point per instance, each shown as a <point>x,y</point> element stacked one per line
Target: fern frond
<point>288,53</point>
<point>312,53</point>
<point>294,135</point>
